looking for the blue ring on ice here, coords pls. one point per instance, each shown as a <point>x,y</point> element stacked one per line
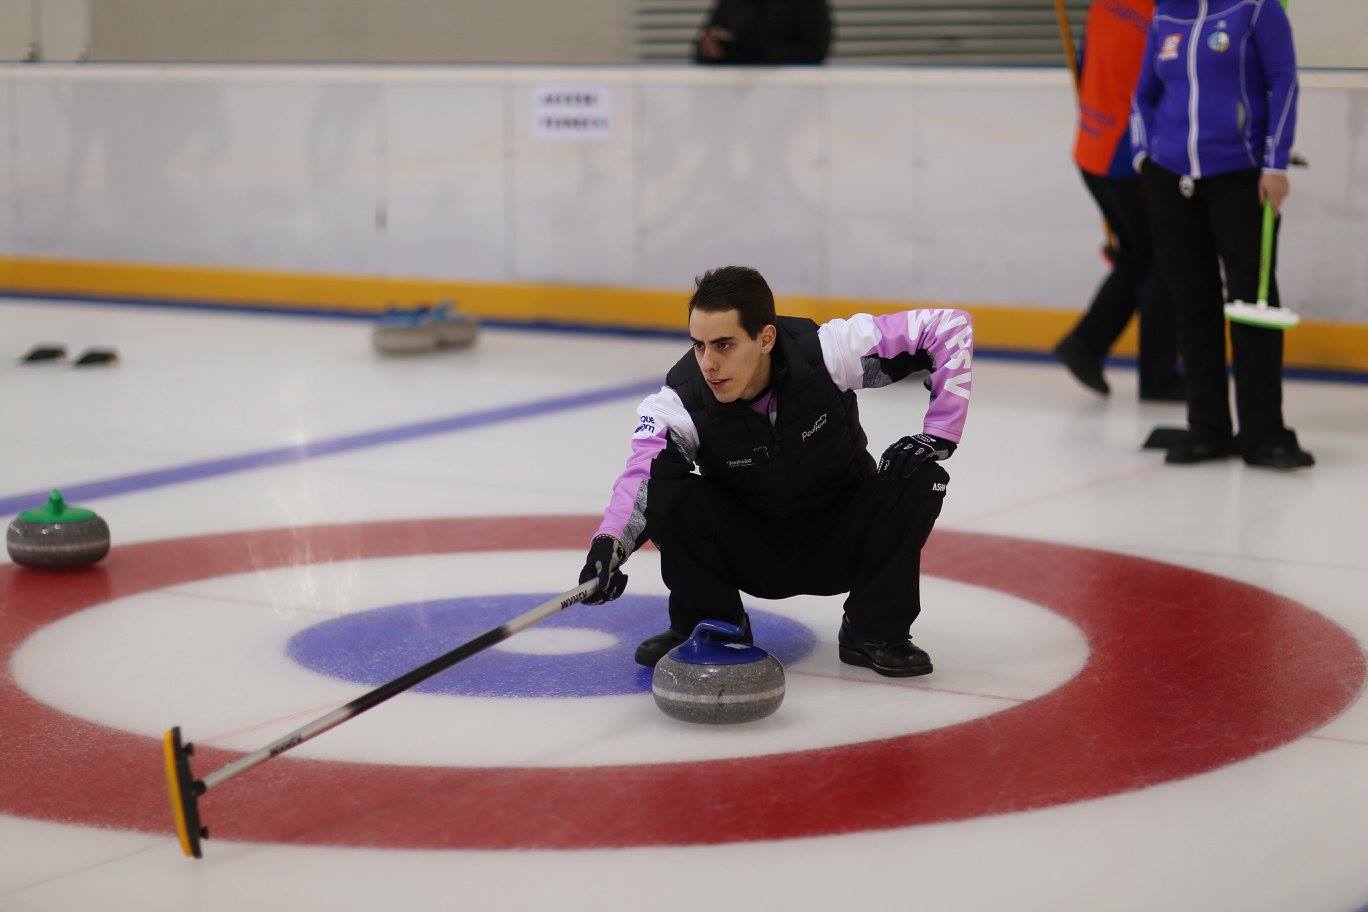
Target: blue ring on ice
<point>375,646</point>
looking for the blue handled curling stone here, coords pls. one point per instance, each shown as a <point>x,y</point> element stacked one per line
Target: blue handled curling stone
<point>57,537</point>
<point>717,678</point>
<point>402,331</point>
<point>455,328</point>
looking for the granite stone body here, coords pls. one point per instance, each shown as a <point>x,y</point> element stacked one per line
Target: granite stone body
<point>455,329</point>
<point>58,545</point>
<point>404,340</point>
<point>718,694</point>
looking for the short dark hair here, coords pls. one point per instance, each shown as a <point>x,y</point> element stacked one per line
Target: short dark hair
<point>738,288</point>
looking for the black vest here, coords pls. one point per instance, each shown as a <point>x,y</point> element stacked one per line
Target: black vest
<point>816,449</point>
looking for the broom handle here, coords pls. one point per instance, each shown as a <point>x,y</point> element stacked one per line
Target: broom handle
<point>1266,252</point>
<point>1265,240</point>
<point>398,685</point>
<point>1066,38</point>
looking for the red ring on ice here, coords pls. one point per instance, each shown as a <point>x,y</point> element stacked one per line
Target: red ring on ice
<point>1187,672</point>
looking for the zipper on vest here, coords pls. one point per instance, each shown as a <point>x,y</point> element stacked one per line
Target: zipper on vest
<point>1194,163</point>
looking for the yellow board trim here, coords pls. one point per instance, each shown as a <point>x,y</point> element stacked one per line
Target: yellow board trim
<point>173,791</point>
<point>1334,346</point>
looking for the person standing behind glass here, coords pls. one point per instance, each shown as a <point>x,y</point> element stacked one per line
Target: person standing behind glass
<point>1113,44</point>
<point>767,32</point>
<point>1212,126</point>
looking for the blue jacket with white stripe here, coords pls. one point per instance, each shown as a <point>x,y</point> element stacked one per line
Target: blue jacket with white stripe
<point>1218,88</point>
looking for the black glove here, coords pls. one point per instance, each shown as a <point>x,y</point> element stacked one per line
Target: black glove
<point>605,556</point>
<point>901,459</point>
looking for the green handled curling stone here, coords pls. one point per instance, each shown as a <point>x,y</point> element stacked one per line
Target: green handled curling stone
<point>715,677</point>
<point>57,537</point>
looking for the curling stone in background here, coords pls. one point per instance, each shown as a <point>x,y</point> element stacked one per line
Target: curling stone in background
<point>403,331</point>
<point>455,328</point>
<point>57,537</point>
<point>717,678</point>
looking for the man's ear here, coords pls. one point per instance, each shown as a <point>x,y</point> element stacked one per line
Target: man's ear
<point>767,336</point>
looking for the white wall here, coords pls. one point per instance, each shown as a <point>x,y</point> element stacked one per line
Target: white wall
<point>885,184</point>
<point>1330,33</point>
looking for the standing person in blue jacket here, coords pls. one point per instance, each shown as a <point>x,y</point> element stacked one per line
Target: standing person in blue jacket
<point>1212,125</point>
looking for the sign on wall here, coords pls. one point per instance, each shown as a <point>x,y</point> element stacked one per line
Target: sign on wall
<point>572,112</point>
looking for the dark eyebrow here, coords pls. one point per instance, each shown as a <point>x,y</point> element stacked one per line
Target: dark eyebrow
<point>714,341</point>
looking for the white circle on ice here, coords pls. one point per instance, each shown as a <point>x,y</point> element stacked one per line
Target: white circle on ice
<point>210,657</point>
<point>558,641</point>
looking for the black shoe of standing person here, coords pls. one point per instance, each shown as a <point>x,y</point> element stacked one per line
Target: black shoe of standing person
<point>653,649</point>
<point>891,658</point>
<point>1280,451</point>
<point>1193,449</point>
<point>1083,364</point>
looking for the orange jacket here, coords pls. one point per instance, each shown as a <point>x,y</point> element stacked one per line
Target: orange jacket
<point>1113,49</point>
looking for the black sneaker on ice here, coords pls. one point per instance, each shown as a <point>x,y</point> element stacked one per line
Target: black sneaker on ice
<point>653,649</point>
<point>890,658</point>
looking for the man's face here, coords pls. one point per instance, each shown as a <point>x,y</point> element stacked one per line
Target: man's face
<point>735,365</point>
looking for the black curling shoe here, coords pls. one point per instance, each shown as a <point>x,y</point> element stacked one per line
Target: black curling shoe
<point>1083,364</point>
<point>1191,449</point>
<point>890,658</point>
<point>1280,452</point>
<point>653,649</point>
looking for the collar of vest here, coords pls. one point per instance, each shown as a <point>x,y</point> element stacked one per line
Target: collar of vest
<point>790,365</point>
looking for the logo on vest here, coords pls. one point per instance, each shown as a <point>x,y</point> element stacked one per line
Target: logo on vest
<point>739,463</point>
<point>816,426</point>
<point>1169,50</point>
<point>938,486</point>
<point>645,425</point>
<point>1218,41</point>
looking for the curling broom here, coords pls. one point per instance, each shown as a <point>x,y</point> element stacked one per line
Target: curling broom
<point>184,790</point>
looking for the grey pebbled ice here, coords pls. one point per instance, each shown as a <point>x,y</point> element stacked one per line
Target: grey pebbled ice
<point>59,545</point>
<point>718,694</point>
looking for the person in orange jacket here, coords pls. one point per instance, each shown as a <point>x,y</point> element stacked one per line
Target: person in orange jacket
<point>1111,55</point>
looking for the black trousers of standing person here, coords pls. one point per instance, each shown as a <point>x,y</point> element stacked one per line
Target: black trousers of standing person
<point>712,548</point>
<point>1133,285</point>
<point>1219,225</point>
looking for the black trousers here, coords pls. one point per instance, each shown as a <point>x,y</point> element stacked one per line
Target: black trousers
<point>712,548</point>
<point>1133,285</point>
<point>1218,226</point>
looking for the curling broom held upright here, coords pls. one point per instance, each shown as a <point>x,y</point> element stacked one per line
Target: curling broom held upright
<point>1261,313</point>
<point>184,790</point>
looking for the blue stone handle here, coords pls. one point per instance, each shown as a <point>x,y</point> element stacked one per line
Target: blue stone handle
<point>719,631</point>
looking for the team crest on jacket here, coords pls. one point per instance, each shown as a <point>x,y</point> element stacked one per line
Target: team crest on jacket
<point>1218,41</point>
<point>1169,50</point>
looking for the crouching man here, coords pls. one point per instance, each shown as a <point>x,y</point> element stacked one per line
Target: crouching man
<point>787,499</point>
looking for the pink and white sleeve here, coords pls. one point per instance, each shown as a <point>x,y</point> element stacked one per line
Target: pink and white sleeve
<point>857,352</point>
<point>661,420</point>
